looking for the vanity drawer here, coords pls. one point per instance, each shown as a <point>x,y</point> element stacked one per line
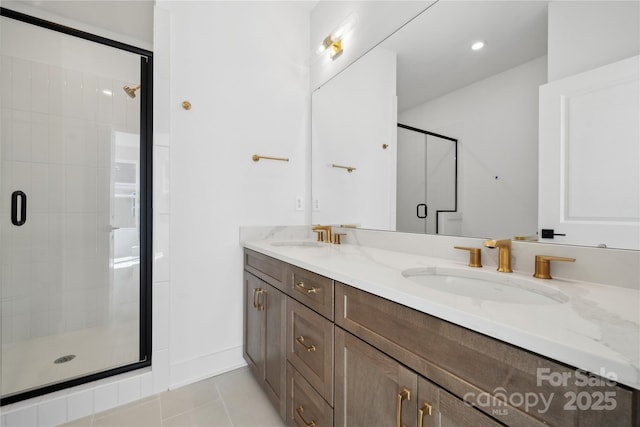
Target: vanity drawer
<point>269,269</point>
<point>310,347</point>
<point>305,406</point>
<point>311,289</point>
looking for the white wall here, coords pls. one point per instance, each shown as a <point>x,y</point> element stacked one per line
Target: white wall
<point>371,22</point>
<point>584,35</point>
<point>241,65</point>
<point>127,21</point>
<point>250,95</point>
<point>350,131</point>
<point>496,124</point>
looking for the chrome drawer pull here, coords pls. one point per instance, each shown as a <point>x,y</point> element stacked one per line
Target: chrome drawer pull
<point>309,348</point>
<point>303,288</point>
<point>299,411</point>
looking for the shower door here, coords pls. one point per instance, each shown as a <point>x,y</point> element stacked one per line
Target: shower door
<point>74,232</point>
<point>426,180</point>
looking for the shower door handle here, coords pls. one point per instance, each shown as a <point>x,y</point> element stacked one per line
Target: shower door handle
<point>424,215</point>
<point>14,208</point>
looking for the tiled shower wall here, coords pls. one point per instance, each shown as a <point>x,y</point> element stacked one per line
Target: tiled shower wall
<point>57,146</point>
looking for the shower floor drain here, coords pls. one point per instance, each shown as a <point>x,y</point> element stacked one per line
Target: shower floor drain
<point>65,359</point>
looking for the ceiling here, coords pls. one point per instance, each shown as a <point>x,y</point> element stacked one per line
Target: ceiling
<point>130,18</point>
<point>434,50</point>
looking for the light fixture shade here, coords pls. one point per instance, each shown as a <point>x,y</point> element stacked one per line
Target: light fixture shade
<point>327,42</point>
<point>333,42</point>
<point>336,49</point>
<point>334,46</point>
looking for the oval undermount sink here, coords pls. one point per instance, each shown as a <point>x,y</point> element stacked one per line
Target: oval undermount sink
<point>299,244</point>
<point>497,287</point>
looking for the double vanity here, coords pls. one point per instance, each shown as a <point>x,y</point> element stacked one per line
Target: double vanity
<point>354,335</point>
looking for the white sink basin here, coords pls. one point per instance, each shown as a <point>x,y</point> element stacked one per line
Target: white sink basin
<point>482,285</point>
<point>299,244</point>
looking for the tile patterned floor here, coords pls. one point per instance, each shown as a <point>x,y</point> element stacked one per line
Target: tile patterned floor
<point>233,399</point>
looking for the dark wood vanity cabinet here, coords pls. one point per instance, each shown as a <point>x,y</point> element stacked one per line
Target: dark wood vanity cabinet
<point>264,334</point>
<point>384,364</point>
<point>288,338</point>
<point>372,389</point>
<point>489,377</point>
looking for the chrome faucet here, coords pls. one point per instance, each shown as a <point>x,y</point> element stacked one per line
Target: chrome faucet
<point>504,253</point>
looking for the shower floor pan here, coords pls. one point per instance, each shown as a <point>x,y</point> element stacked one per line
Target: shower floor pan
<point>32,364</point>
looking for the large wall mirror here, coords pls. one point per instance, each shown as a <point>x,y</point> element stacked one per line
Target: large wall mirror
<point>538,129</point>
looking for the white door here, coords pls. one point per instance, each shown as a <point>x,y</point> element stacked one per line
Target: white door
<point>589,155</point>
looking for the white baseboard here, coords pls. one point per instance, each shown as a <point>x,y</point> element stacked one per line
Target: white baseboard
<point>202,367</point>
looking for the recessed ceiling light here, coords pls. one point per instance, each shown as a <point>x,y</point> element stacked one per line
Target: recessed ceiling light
<point>477,45</point>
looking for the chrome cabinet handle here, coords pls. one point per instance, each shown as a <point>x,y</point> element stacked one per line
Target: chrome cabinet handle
<point>426,408</point>
<point>405,394</point>
<point>303,288</point>
<point>309,348</point>
<point>299,411</point>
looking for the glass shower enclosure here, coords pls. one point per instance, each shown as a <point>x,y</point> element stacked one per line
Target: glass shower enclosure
<point>75,217</point>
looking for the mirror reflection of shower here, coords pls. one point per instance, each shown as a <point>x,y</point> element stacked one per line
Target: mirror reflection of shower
<point>131,91</point>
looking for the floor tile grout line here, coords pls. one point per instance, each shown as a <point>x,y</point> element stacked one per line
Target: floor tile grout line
<point>224,404</point>
<point>192,408</point>
<point>118,410</point>
<point>160,405</point>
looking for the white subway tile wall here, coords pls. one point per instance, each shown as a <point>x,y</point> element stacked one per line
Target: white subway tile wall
<point>58,131</point>
<point>103,394</point>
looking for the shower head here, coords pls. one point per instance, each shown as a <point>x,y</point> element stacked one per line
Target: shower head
<point>131,91</point>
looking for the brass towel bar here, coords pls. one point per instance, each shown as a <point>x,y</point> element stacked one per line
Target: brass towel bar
<point>256,158</point>
<point>348,168</point>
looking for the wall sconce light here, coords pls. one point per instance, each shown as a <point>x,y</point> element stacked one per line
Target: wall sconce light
<point>334,46</point>
<point>333,42</point>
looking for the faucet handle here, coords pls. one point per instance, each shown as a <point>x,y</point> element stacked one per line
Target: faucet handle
<point>320,235</point>
<point>543,265</point>
<point>475,256</point>
<point>337,237</point>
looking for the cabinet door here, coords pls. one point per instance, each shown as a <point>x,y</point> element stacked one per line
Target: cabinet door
<point>275,358</point>
<point>371,388</point>
<point>254,324</point>
<point>438,408</point>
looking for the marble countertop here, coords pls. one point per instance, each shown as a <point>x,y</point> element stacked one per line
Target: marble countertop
<point>596,328</point>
